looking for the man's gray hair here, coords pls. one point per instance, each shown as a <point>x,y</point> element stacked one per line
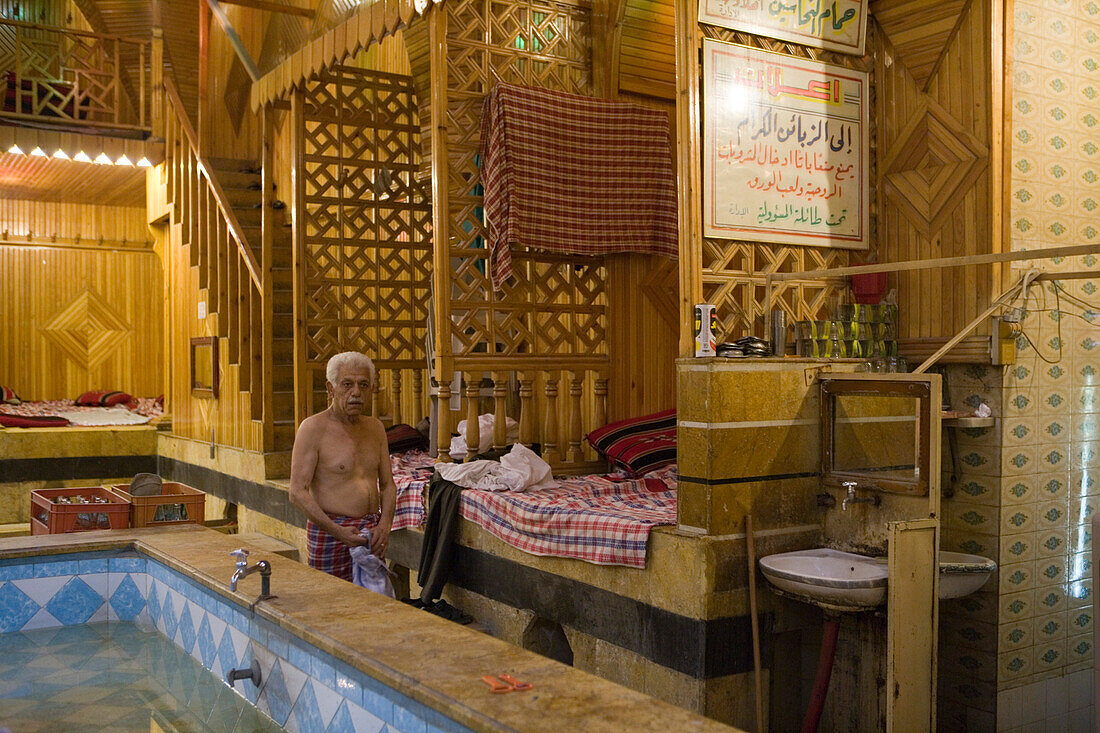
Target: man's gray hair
<point>347,359</point>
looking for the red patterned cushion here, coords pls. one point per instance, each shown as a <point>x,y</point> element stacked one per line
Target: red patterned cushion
<point>36,421</point>
<point>102,398</point>
<point>403,437</point>
<point>638,444</point>
<point>9,397</point>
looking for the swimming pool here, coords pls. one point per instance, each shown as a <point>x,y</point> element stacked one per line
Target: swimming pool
<point>113,677</point>
<point>304,688</point>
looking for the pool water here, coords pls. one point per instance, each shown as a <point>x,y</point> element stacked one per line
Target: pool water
<point>115,676</point>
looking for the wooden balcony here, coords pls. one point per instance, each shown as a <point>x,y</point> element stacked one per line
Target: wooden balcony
<point>76,80</point>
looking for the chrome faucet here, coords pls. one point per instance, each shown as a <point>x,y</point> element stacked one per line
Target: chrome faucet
<point>263,567</point>
<point>851,498</point>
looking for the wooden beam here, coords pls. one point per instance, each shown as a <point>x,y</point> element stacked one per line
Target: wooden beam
<point>961,261</point>
<point>273,7</point>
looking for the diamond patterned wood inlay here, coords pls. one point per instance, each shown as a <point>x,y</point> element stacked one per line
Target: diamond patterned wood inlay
<point>930,167</point>
<point>87,330</point>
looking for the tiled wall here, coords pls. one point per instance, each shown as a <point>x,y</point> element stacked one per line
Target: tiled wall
<point>303,689</point>
<point>1023,649</point>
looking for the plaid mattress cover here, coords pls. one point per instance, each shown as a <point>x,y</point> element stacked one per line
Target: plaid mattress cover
<point>580,175</point>
<point>411,472</point>
<point>602,519</point>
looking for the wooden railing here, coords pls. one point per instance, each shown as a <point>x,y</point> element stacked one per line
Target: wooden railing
<point>227,268</point>
<point>74,78</point>
<point>555,409</point>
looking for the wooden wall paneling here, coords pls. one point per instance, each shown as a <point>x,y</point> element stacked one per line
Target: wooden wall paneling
<point>78,319</point>
<point>229,418</point>
<point>934,168</point>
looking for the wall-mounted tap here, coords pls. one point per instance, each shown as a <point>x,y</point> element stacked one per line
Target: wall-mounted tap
<point>263,567</point>
<point>851,498</point>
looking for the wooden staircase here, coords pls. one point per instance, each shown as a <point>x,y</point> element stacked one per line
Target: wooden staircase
<point>218,206</point>
<point>243,185</point>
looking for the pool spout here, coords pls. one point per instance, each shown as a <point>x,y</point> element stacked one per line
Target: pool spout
<point>252,673</point>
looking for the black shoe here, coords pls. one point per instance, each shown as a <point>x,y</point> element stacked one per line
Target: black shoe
<point>414,602</point>
<point>445,610</point>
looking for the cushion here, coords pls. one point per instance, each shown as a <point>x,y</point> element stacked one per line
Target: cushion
<point>638,444</point>
<point>36,421</point>
<point>102,398</point>
<point>402,437</point>
<point>8,396</point>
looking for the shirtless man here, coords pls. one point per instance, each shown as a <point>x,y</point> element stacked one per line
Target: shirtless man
<point>340,474</point>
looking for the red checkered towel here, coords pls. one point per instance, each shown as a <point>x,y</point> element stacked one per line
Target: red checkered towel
<point>575,174</point>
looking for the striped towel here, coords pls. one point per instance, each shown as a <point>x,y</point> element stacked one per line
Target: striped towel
<point>574,174</point>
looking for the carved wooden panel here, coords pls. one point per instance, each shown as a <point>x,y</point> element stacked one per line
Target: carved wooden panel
<point>366,254</point>
<point>935,169</point>
<point>555,306</point>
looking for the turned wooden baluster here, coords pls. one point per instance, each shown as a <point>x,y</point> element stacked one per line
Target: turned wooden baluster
<point>526,409</point>
<point>418,392</point>
<point>576,388</point>
<point>600,391</point>
<point>473,427</point>
<point>395,395</point>
<point>550,429</point>
<point>500,420</point>
<point>376,396</point>
<point>443,420</point>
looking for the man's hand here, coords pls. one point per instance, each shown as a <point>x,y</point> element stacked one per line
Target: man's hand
<point>350,537</point>
<point>380,539</point>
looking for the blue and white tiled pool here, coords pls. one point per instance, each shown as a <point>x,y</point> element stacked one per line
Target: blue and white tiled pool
<point>84,640</point>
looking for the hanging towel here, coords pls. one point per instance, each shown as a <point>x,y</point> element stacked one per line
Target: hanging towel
<point>574,174</point>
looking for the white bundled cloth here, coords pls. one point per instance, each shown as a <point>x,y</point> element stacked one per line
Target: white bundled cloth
<point>485,424</point>
<point>520,469</point>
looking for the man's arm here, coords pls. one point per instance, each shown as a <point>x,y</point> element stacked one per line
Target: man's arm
<point>387,493</point>
<point>303,462</point>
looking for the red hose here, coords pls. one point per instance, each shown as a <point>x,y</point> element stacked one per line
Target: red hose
<point>821,678</point>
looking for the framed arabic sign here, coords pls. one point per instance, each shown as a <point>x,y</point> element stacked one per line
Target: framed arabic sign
<point>785,149</point>
<point>836,25</point>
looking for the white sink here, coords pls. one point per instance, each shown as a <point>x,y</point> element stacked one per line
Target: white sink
<point>845,581</point>
<point>961,575</point>
<point>839,581</point>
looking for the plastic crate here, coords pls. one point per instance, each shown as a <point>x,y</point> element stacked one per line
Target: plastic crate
<point>175,504</point>
<point>49,517</point>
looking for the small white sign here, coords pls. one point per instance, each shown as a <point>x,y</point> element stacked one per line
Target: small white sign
<point>202,309</point>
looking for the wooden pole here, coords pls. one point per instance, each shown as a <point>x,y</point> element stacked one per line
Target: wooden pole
<point>755,625</point>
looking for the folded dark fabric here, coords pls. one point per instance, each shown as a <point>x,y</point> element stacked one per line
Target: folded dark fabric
<point>146,484</point>
<point>32,421</point>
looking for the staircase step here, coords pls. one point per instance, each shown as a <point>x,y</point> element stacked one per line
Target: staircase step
<point>236,165</point>
<point>237,180</point>
<point>282,377</point>
<point>284,434</point>
<point>282,350</point>
<point>282,403</point>
<point>242,197</point>
<point>282,278</point>
<point>248,217</point>
<point>282,326</point>
<point>281,257</point>
<point>283,302</point>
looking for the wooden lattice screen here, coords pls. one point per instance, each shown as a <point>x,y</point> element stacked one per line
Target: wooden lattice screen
<point>734,271</point>
<point>365,239</point>
<point>554,307</point>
